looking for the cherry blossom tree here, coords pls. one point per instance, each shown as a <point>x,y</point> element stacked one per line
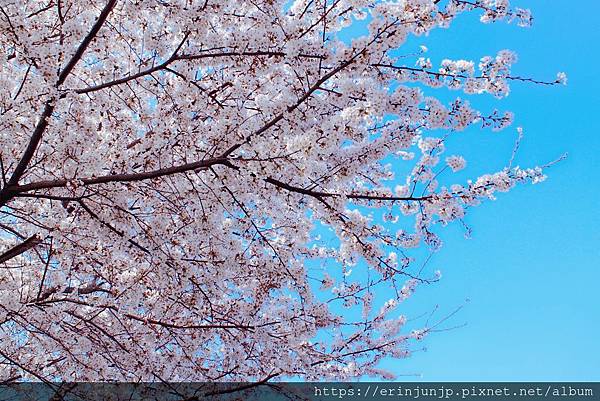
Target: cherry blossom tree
<point>169,168</point>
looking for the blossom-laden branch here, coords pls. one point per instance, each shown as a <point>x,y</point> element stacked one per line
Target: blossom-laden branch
<point>49,106</point>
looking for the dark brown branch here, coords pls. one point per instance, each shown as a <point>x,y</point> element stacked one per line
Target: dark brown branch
<point>131,177</point>
<point>320,195</point>
<point>46,265</point>
<point>34,141</point>
<point>23,247</point>
<point>22,82</point>
<point>12,231</point>
<point>86,42</point>
<point>36,136</point>
<point>188,326</point>
<point>20,190</point>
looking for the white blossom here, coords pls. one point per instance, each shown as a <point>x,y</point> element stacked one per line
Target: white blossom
<point>456,163</point>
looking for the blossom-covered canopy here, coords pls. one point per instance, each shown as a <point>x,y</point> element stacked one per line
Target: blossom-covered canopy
<point>169,169</point>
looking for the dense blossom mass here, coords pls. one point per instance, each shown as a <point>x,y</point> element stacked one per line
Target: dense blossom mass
<point>199,190</point>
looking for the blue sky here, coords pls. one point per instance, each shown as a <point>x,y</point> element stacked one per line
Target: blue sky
<point>532,268</point>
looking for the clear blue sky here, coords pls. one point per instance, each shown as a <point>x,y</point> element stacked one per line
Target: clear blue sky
<point>532,268</point>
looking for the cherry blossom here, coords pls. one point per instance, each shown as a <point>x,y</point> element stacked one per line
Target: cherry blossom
<point>209,190</point>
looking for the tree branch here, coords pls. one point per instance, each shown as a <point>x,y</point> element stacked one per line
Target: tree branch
<point>34,141</point>
<point>188,326</point>
<point>131,177</point>
<point>23,247</point>
<point>320,195</point>
<point>86,42</point>
<point>36,136</point>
